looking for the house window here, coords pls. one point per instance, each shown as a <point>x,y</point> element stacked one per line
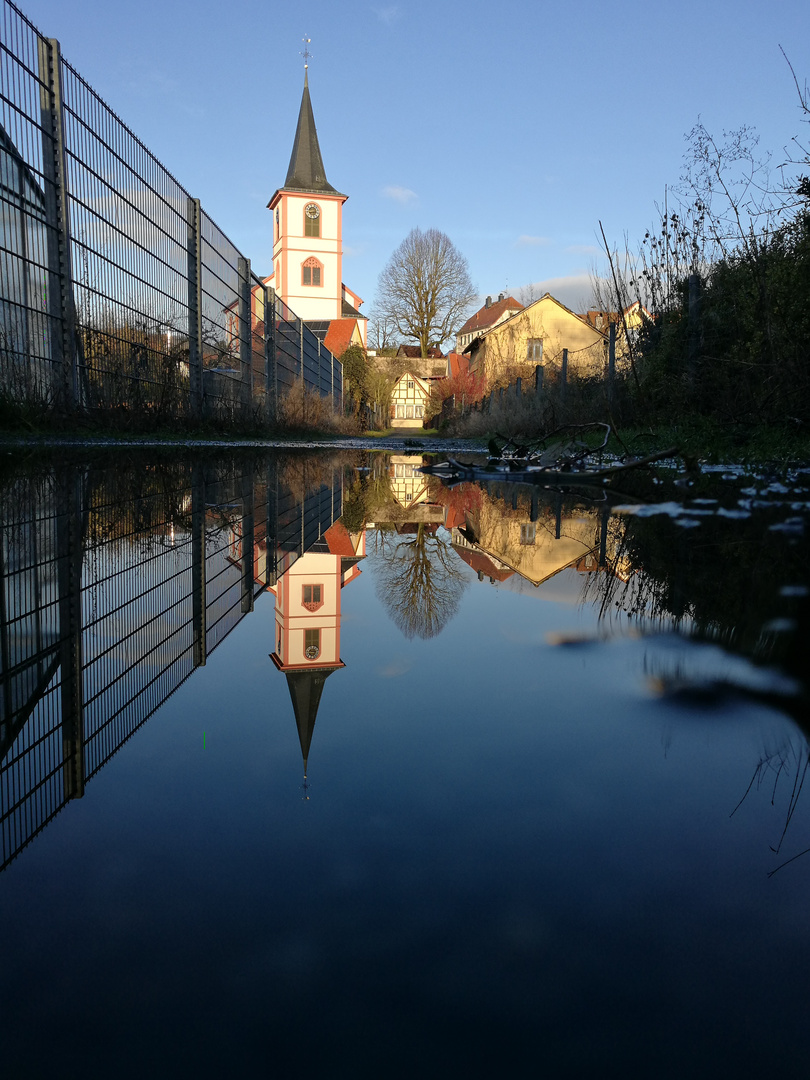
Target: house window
<point>312,219</point>
<point>409,412</point>
<point>312,644</point>
<point>311,272</point>
<point>399,470</point>
<point>400,412</point>
<point>312,597</point>
<point>534,350</point>
<point>418,410</point>
<point>528,533</point>
<point>410,385</point>
<point>278,226</point>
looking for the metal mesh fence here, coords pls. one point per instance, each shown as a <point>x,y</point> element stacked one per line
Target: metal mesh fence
<point>118,294</point>
<point>113,589</point>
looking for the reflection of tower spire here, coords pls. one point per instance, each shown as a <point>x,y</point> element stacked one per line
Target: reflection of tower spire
<point>305,689</point>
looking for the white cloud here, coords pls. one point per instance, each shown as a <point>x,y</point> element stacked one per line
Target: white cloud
<point>533,241</point>
<point>573,291</point>
<point>401,195</point>
<point>388,14</point>
<point>583,249</point>
<point>351,251</point>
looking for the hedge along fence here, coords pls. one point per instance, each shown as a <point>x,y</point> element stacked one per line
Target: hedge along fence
<point>117,292</point>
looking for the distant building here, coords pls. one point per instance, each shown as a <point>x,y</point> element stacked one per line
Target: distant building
<point>536,336</point>
<point>409,400</point>
<point>485,318</point>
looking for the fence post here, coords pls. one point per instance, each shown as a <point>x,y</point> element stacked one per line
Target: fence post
<point>245,335</point>
<point>538,379</point>
<point>69,578</point>
<point>518,388</point>
<point>270,374</point>
<point>194,275</point>
<point>611,360</point>
<point>198,575</point>
<point>564,374</point>
<point>61,305</point>
<point>248,541</point>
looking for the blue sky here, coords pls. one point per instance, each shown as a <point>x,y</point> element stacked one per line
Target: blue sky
<point>512,127</point>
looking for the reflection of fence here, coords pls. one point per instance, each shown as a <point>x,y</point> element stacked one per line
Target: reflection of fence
<point>107,604</point>
<point>117,291</point>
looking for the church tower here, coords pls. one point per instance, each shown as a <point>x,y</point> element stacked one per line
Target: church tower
<point>307,228</point>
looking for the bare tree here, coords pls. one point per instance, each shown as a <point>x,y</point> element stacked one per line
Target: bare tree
<point>425,288</point>
<point>381,331</point>
<point>420,582</point>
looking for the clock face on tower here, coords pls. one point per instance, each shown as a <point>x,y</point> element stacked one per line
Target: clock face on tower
<point>312,210</point>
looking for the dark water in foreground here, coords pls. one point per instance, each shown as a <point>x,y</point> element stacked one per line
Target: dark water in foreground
<point>555,745</point>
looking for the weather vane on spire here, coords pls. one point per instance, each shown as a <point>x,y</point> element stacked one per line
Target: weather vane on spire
<point>307,55</point>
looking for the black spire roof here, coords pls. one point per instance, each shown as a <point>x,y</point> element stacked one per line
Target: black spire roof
<point>306,171</point>
<point>305,689</point>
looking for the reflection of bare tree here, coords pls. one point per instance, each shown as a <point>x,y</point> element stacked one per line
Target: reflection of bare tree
<point>419,580</point>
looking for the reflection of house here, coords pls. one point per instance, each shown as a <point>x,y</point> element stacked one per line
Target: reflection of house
<point>537,335</point>
<point>536,550</point>
<point>409,485</point>
<point>485,318</point>
<point>307,626</point>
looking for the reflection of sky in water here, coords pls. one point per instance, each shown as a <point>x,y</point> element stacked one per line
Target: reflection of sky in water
<point>509,844</point>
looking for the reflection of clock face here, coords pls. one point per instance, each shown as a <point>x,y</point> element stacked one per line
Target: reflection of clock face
<point>312,210</point>
<point>311,652</point>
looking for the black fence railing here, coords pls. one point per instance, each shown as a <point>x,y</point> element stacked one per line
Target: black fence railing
<point>117,291</point>
<point>114,586</point>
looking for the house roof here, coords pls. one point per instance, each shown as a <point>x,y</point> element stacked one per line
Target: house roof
<point>488,316</point>
<point>599,319</point>
<point>339,335</point>
<point>350,312</point>
<point>306,171</point>
<point>414,352</point>
<point>482,564</point>
<point>554,300</point>
<point>339,540</point>
<point>458,364</point>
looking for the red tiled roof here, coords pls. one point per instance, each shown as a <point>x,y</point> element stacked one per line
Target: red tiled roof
<point>487,316</point>
<point>459,364</point>
<point>339,335</point>
<point>414,352</point>
<point>338,540</point>
<point>482,564</point>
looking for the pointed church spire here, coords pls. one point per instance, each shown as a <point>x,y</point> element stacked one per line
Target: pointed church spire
<point>306,171</point>
<point>305,689</point>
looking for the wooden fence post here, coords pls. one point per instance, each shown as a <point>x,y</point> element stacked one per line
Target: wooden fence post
<point>538,379</point>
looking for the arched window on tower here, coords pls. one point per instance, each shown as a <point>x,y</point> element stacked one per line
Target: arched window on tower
<point>311,272</point>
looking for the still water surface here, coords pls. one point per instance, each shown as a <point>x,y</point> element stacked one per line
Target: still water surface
<point>313,765</point>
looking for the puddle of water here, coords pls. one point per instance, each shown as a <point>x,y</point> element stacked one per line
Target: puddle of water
<point>311,751</point>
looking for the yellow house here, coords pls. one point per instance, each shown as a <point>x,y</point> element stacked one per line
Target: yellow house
<point>537,335</point>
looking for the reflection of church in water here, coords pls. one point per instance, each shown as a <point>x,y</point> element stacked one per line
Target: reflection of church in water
<point>307,627</point>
